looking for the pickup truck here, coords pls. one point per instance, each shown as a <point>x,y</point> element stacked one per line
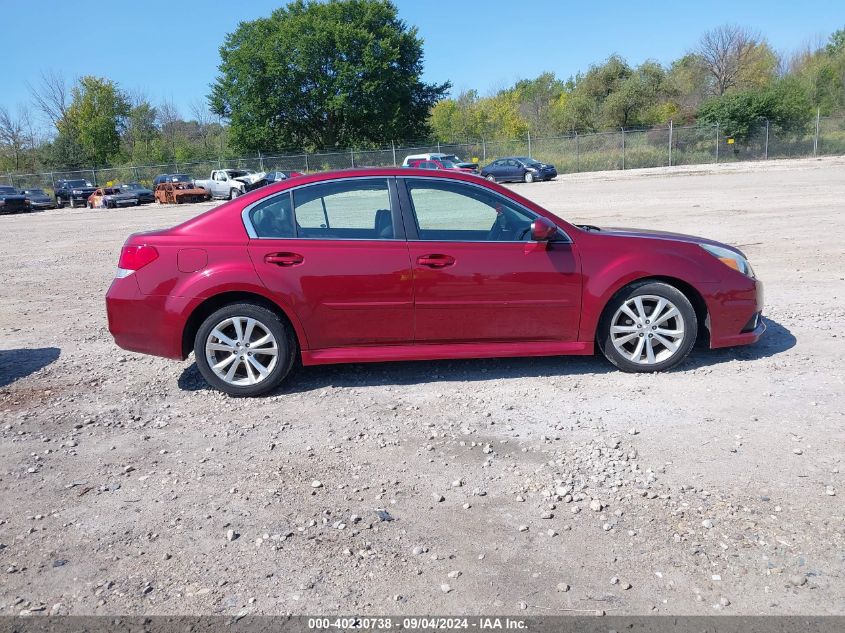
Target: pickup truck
<point>74,192</point>
<point>230,183</point>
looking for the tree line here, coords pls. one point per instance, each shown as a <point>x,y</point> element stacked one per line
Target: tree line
<point>318,76</point>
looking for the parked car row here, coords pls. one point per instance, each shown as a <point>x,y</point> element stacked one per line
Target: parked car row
<point>508,169</point>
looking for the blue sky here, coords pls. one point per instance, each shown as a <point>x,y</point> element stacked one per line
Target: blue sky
<point>169,50</point>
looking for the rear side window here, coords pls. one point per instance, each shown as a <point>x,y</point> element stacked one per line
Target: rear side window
<point>350,209</point>
<point>272,218</point>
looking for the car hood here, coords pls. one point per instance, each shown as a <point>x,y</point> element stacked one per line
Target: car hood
<point>655,235</point>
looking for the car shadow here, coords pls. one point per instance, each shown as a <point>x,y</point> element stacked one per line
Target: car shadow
<point>19,363</point>
<point>777,339</point>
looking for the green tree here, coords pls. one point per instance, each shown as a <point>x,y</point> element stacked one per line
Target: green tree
<point>319,75</point>
<point>784,104</point>
<point>96,118</point>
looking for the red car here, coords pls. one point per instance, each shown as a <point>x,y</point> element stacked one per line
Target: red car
<point>397,264</point>
<point>434,163</point>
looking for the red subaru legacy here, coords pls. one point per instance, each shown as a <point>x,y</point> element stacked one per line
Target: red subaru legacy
<point>398,264</point>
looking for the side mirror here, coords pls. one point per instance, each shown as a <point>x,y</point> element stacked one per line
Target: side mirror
<point>542,230</point>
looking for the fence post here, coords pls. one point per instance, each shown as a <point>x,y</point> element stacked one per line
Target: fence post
<point>306,161</point>
<point>717,141</point>
<point>438,147</point>
<point>94,176</point>
<point>529,143</point>
<point>670,142</point>
<point>816,137</point>
<point>52,181</point>
<point>766,148</point>
<point>260,161</point>
<point>352,155</point>
<point>577,152</point>
<point>393,147</point>
<point>484,150</point>
<point>623,148</point>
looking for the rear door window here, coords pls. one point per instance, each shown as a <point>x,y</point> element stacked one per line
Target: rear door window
<point>347,209</point>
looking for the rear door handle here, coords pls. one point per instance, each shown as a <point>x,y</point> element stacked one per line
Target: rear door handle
<point>284,259</point>
<point>436,260</point>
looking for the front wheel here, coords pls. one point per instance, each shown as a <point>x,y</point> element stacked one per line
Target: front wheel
<point>491,177</point>
<point>234,193</point>
<point>528,177</point>
<point>648,327</point>
<point>244,349</point>
<point>72,203</point>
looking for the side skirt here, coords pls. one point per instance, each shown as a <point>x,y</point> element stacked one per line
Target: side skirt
<point>444,351</point>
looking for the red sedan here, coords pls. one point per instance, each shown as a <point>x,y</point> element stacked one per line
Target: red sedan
<point>397,264</point>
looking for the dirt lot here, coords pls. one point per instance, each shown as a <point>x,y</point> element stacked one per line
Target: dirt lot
<point>534,486</point>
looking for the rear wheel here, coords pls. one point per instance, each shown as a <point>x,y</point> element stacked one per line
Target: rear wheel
<point>244,349</point>
<point>491,177</point>
<point>649,326</point>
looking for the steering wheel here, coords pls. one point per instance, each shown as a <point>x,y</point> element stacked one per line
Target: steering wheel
<point>523,234</point>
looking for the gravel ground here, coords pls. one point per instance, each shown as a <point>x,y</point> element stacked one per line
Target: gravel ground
<point>533,486</point>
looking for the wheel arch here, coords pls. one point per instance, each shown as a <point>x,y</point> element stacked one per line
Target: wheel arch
<point>217,301</point>
<point>690,292</point>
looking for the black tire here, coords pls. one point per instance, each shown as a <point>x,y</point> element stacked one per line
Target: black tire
<point>272,322</point>
<point>59,203</point>
<point>72,203</point>
<point>234,193</point>
<point>650,289</point>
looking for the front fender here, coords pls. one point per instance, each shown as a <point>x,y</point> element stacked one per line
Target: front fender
<point>606,273</point>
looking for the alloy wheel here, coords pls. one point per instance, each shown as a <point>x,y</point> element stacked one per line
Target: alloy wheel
<point>647,329</point>
<point>241,351</point>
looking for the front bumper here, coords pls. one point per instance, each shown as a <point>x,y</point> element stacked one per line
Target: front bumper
<point>736,315</point>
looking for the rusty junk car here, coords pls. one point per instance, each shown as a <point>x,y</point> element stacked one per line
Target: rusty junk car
<point>180,192</point>
<point>111,198</point>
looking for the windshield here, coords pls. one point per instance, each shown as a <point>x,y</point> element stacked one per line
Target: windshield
<point>37,192</point>
<point>528,161</point>
<point>448,164</point>
<point>180,178</point>
<point>450,158</point>
<point>238,173</point>
<point>79,183</point>
<point>131,185</point>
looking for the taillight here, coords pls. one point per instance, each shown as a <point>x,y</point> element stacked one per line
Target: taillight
<point>134,258</point>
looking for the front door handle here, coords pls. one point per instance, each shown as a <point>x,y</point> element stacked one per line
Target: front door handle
<point>436,260</point>
<point>284,259</point>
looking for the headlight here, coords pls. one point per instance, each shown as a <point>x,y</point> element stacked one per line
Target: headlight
<point>531,168</point>
<point>730,258</point>
<point>76,192</point>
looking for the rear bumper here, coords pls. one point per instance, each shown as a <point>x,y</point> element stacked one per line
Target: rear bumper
<point>149,324</point>
<point>736,314</point>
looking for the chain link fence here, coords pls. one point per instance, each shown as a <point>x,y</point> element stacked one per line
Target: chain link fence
<point>623,149</point>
